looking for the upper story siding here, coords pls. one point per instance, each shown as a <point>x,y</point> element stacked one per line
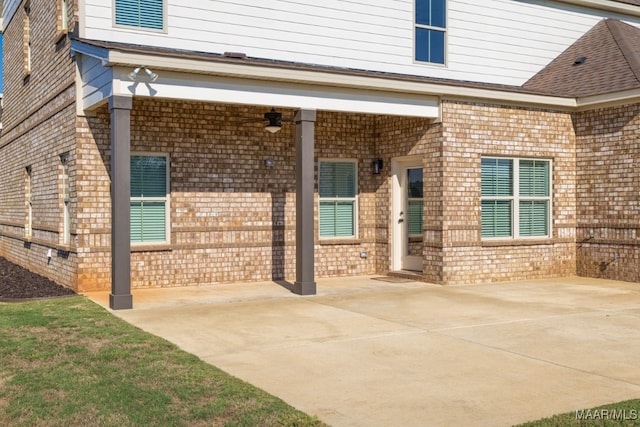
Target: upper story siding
<point>494,41</point>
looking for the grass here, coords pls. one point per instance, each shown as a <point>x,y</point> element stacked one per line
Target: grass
<point>619,414</point>
<point>70,362</point>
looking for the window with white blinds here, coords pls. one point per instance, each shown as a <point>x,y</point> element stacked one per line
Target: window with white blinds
<point>516,198</point>
<point>140,13</point>
<point>149,194</point>
<point>337,186</point>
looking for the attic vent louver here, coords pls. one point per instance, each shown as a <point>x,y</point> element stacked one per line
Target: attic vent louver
<point>579,61</point>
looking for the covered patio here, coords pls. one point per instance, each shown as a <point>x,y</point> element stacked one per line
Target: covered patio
<point>120,75</point>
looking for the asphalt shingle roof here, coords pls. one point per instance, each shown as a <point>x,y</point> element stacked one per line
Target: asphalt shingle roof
<point>605,60</point>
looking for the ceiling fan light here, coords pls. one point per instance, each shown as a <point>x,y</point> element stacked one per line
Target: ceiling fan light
<point>272,127</point>
<point>273,117</point>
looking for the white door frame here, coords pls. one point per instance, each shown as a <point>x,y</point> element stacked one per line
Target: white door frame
<point>398,225</point>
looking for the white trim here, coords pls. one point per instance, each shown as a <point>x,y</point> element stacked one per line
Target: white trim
<point>355,198</point>
<point>398,229</point>
<point>173,85</point>
<point>166,199</point>
<point>608,5</point>
<point>608,100</point>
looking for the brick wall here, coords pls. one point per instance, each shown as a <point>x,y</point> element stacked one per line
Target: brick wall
<point>232,216</point>
<point>473,130</point>
<point>38,127</point>
<point>608,199</point>
<point>401,137</point>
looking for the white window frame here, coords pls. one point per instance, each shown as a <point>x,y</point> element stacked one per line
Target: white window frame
<point>138,28</point>
<point>63,8</point>
<point>444,30</point>
<point>28,227</point>
<point>27,39</point>
<point>515,200</point>
<point>353,199</point>
<point>166,199</point>
<point>66,199</point>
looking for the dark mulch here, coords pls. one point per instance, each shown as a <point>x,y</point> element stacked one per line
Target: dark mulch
<point>18,283</point>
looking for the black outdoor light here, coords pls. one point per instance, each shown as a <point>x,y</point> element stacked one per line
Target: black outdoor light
<point>376,166</point>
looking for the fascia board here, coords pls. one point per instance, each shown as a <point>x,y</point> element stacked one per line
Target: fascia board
<point>118,58</point>
<point>610,6</point>
<point>89,50</point>
<point>608,100</point>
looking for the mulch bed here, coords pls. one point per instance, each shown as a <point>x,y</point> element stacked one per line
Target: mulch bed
<point>18,284</point>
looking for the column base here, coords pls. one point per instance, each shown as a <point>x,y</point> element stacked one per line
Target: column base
<point>120,302</point>
<point>304,288</point>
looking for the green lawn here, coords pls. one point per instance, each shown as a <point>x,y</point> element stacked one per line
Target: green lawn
<point>69,362</point>
<point>616,414</point>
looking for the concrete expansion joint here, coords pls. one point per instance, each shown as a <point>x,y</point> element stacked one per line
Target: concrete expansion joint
<point>542,360</point>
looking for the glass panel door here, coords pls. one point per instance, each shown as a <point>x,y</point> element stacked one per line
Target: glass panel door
<point>414,213</point>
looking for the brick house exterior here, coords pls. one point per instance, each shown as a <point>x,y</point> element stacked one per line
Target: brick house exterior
<point>235,192</point>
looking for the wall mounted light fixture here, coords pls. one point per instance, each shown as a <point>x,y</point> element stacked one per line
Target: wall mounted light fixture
<point>376,166</point>
<point>134,74</point>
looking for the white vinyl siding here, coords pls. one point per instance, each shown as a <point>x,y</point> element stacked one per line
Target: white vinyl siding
<point>96,80</point>
<point>337,190</point>
<point>140,13</point>
<point>494,41</point>
<point>516,198</point>
<point>149,198</point>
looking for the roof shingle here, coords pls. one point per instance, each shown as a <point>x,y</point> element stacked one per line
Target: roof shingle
<point>605,60</point>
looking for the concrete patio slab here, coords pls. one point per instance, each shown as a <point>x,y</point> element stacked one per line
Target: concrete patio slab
<point>376,351</point>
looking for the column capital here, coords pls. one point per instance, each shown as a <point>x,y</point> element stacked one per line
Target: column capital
<point>305,116</point>
<point>120,102</point>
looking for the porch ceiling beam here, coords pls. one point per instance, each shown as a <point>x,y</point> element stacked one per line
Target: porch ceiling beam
<point>174,85</point>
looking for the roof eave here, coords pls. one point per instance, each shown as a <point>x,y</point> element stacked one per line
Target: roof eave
<point>631,96</point>
<point>328,78</point>
<point>115,57</point>
<point>608,5</point>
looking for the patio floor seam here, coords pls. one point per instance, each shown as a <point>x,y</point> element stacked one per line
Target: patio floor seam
<point>538,359</point>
